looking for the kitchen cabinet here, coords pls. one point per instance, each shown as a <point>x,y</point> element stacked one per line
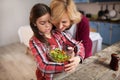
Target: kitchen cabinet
<point>104,0</point>
<point>94,26</point>
<point>115,33</point>
<point>93,0</point>
<point>110,32</point>
<point>80,1</point>
<point>104,30</point>
<point>107,0</point>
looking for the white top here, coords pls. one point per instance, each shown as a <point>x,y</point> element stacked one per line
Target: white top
<point>97,42</point>
<point>94,36</point>
<point>72,30</point>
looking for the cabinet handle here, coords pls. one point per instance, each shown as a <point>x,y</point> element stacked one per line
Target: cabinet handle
<point>110,33</point>
<point>111,28</point>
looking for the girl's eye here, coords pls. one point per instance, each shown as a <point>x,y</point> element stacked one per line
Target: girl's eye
<point>42,23</point>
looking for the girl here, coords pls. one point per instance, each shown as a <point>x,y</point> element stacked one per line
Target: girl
<point>44,37</point>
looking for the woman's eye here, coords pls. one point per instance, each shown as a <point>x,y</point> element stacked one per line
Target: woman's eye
<point>49,21</point>
<point>64,21</point>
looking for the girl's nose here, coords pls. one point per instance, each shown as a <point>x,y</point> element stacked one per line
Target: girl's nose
<point>48,24</point>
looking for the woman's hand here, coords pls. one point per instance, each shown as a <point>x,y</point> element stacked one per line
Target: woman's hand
<point>71,52</point>
<point>74,61</point>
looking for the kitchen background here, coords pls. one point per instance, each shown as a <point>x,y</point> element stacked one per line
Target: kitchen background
<point>15,13</point>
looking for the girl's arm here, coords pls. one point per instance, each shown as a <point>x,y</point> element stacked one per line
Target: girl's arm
<point>42,61</point>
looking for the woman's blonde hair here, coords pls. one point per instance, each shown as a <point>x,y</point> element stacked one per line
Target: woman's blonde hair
<point>60,7</point>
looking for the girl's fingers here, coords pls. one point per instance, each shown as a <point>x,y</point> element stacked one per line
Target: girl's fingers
<point>70,64</point>
<point>69,68</point>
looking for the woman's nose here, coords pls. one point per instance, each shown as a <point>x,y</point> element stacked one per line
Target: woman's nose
<point>60,26</point>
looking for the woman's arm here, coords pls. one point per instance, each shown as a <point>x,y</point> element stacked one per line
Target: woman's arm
<point>82,33</point>
<point>78,45</point>
<point>79,54</point>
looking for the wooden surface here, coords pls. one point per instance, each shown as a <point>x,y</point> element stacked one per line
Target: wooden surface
<point>95,67</point>
<point>15,64</point>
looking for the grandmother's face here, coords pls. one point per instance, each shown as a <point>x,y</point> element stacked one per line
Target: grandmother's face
<point>63,24</point>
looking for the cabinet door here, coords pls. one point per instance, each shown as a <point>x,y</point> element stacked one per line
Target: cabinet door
<point>79,1</point>
<point>103,0</point>
<point>107,0</point>
<point>93,0</point>
<point>94,26</point>
<point>104,30</point>
<point>76,1</point>
<point>115,33</point>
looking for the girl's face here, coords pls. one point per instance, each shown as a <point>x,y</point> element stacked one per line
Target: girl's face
<point>43,24</point>
<point>63,24</point>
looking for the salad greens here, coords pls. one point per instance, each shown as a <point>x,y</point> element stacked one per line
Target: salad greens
<point>58,55</point>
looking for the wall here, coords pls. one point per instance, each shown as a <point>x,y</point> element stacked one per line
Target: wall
<point>13,14</point>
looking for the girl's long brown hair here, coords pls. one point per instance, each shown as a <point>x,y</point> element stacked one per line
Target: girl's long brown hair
<point>37,11</point>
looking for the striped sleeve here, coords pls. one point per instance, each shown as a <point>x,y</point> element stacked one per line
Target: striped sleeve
<point>42,62</point>
<point>80,48</point>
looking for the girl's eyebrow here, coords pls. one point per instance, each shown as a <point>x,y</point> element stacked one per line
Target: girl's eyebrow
<point>42,21</point>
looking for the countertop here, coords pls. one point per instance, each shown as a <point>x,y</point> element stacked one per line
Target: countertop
<point>95,67</point>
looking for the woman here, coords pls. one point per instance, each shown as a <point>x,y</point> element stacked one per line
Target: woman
<point>45,38</point>
<point>64,15</point>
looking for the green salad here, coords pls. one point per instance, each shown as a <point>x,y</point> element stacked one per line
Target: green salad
<point>58,55</point>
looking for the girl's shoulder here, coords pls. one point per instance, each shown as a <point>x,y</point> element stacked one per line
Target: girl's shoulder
<point>34,39</point>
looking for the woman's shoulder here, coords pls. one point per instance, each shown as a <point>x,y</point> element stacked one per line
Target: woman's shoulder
<point>84,22</point>
<point>84,19</point>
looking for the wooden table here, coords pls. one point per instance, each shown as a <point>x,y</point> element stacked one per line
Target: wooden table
<point>15,64</point>
<point>95,67</point>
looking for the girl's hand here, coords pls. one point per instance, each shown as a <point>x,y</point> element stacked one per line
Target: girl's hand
<point>74,61</point>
